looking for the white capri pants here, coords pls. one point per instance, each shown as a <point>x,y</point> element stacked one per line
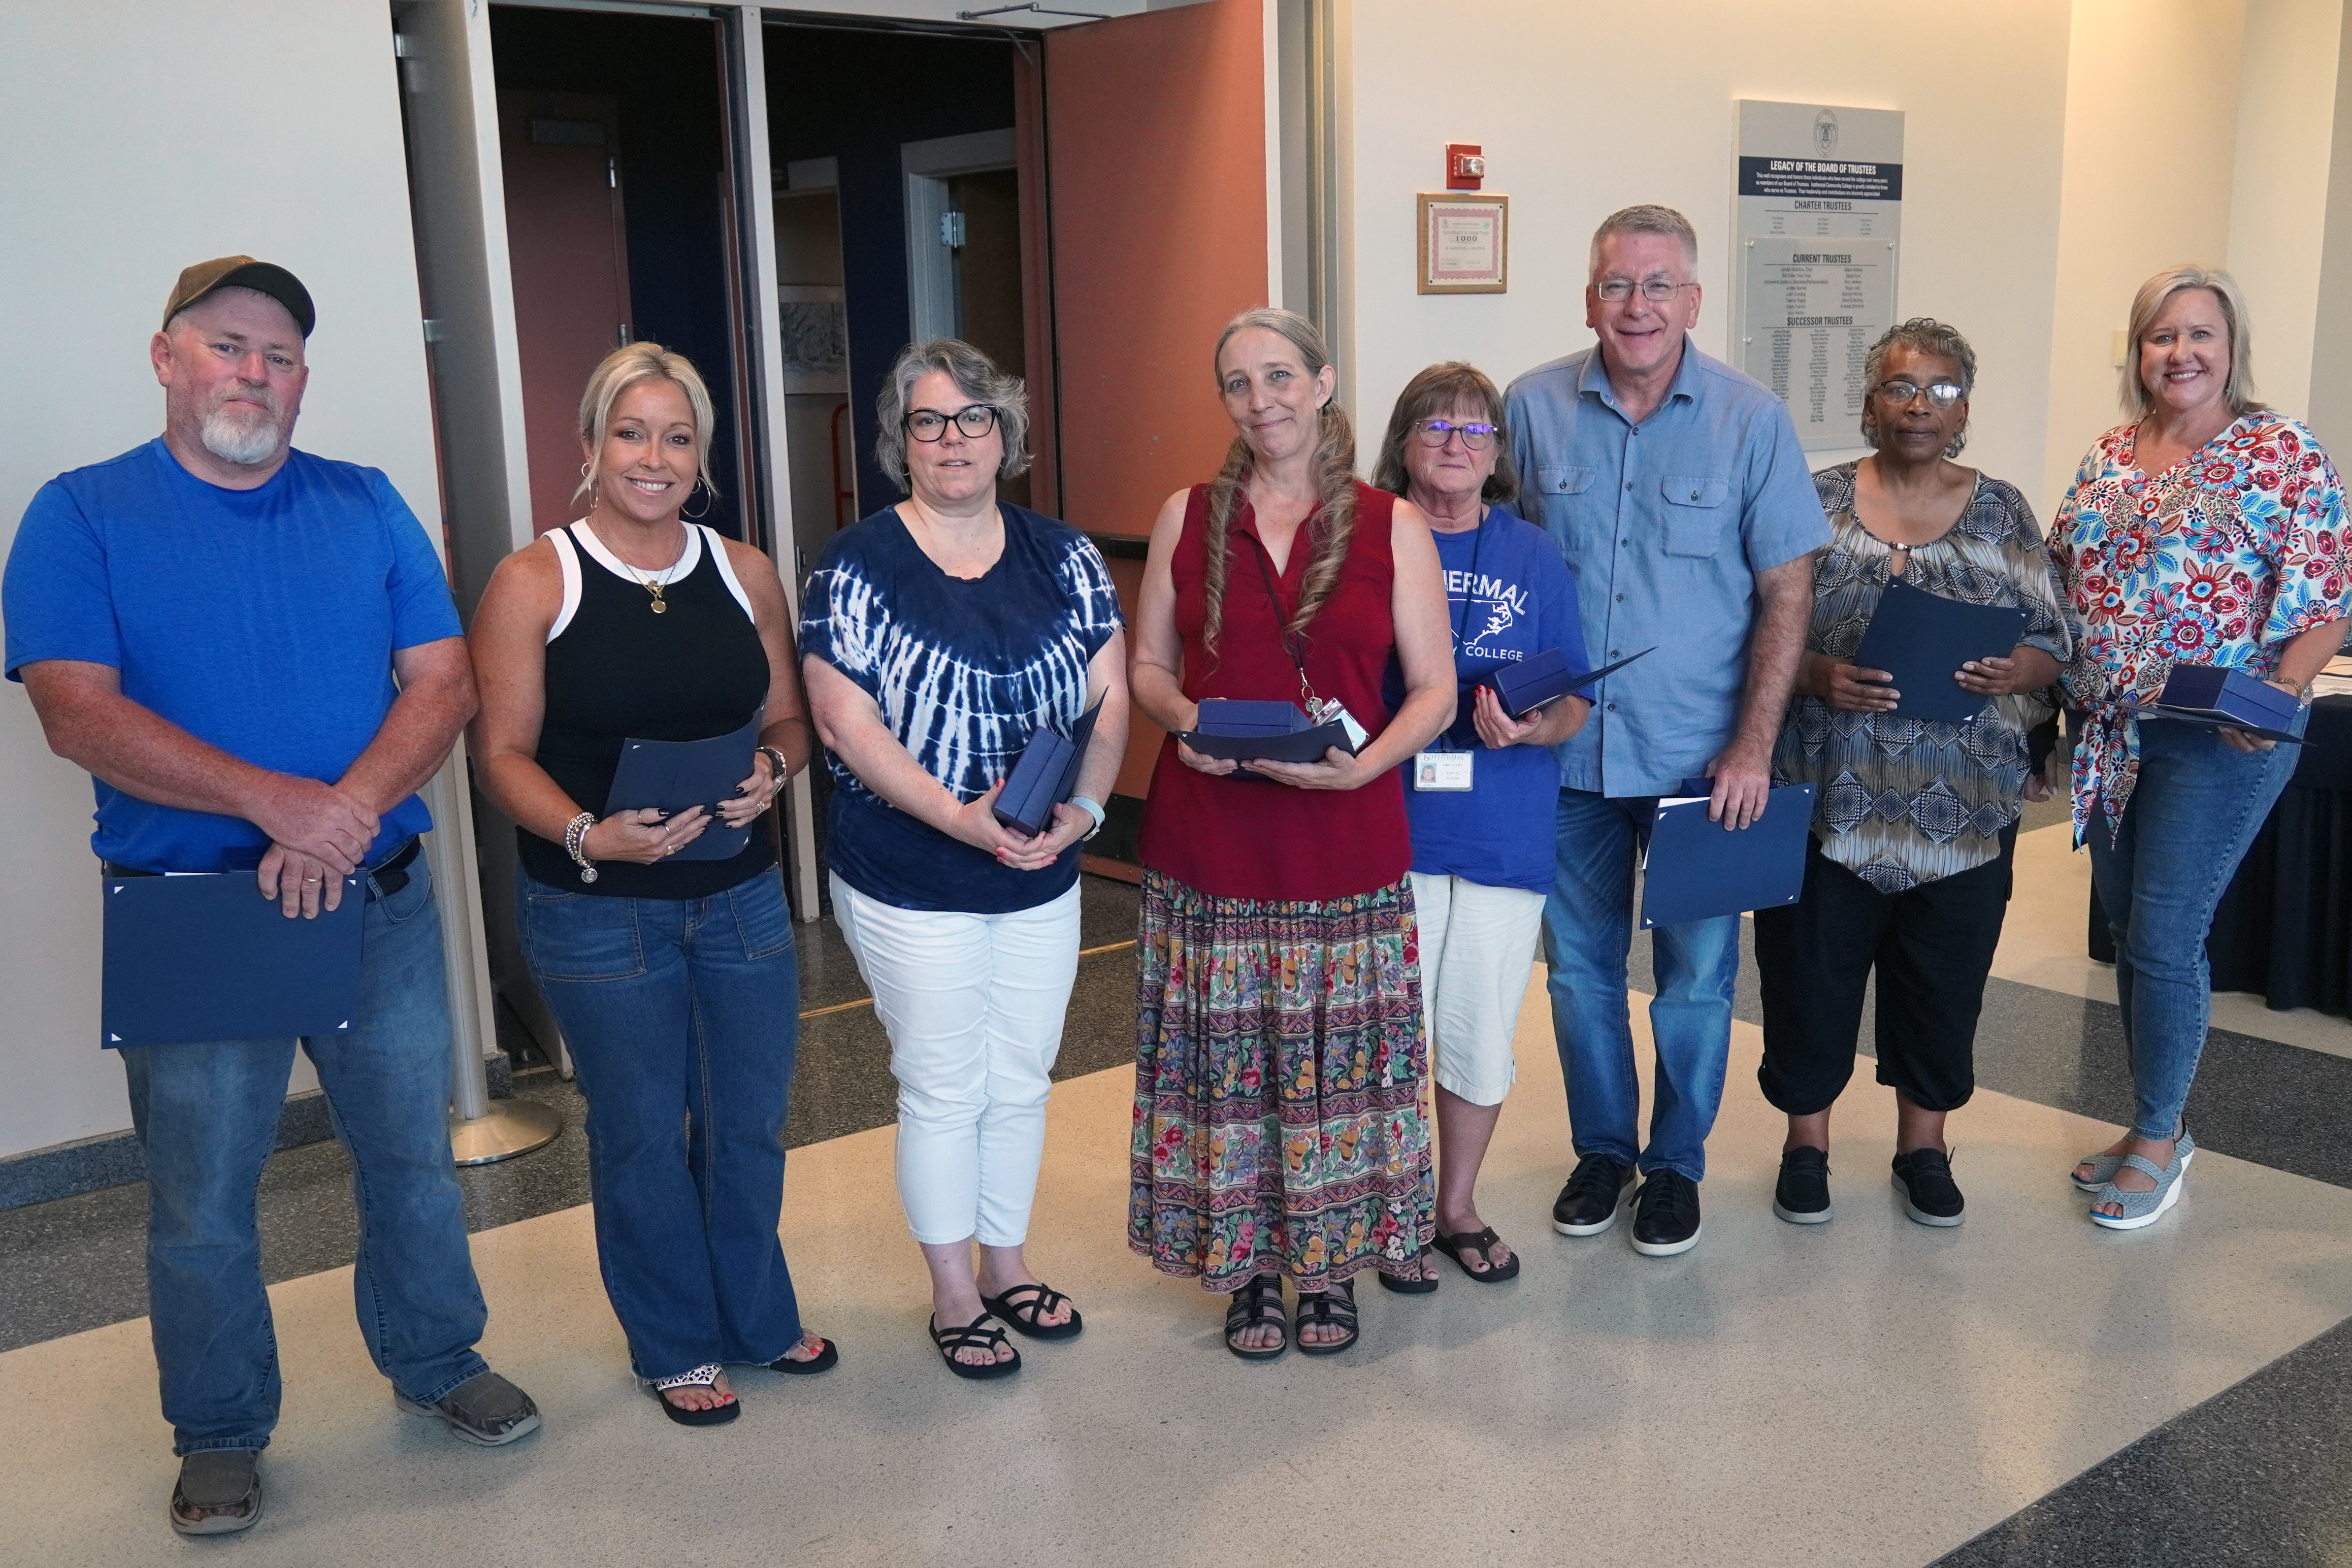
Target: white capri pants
<point>1477,943</point>
<point>974,1006</point>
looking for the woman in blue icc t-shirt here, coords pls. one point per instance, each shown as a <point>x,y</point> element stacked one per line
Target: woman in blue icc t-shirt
<point>1481,800</point>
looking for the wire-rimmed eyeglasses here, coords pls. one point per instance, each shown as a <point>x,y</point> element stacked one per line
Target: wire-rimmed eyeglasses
<point>1656,290</point>
<point>1941,394</point>
<point>971,422</point>
<point>1435,433</point>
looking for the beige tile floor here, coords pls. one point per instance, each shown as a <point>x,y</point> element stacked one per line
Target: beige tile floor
<point>1867,1393</point>
<point>2044,943</point>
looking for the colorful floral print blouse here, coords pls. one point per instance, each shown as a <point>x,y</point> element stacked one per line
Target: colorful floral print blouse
<point>2220,560</point>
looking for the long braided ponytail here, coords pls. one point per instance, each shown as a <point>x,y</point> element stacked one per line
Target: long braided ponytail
<point>1334,524</point>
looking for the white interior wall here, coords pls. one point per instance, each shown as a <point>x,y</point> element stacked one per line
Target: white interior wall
<point>1578,116</point>
<point>2150,149</point>
<point>145,136</point>
<point>2278,197</point>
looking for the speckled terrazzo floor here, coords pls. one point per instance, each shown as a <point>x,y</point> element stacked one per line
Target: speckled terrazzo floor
<point>2023,1391</point>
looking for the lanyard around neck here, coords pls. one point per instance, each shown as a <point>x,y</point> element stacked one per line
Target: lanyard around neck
<point>1292,643</point>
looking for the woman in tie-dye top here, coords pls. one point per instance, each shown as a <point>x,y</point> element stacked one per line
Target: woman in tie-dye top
<point>2210,530</point>
<point>937,636</point>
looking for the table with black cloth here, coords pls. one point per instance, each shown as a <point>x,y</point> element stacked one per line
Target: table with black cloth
<point>2283,929</point>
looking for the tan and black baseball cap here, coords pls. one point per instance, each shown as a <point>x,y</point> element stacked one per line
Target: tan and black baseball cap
<point>242,272</point>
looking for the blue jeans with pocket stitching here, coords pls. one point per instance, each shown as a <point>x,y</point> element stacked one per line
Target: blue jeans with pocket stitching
<point>682,1017</point>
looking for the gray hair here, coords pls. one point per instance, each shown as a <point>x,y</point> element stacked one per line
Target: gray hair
<point>976,376</point>
<point>1921,335</point>
<point>2238,388</point>
<point>1646,217</point>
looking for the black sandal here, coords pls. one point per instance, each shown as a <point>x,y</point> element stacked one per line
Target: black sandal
<point>1255,1306</point>
<point>1421,1284</point>
<point>1461,1241</point>
<point>971,1334</point>
<point>1024,1304</point>
<point>704,1377</point>
<point>1325,1309</point>
<point>827,1355</point>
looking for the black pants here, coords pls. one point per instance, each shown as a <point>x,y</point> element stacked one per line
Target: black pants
<point>1932,947</point>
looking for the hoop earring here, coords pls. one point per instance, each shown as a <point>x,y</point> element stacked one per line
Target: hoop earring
<point>596,492</point>
<point>708,495</point>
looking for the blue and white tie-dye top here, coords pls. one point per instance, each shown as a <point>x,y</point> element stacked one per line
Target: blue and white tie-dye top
<point>964,671</point>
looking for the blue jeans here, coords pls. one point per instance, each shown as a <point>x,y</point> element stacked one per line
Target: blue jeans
<point>1587,931</point>
<point>2196,807</point>
<point>206,1115</point>
<point>681,1015</point>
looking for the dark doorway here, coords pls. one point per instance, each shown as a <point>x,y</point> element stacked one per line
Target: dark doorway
<point>665,163</point>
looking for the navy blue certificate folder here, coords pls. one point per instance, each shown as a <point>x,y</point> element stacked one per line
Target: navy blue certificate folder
<point>1044,775</point>
<point>208,957</point>
<point>1269,731</point>
<point>1922,639</point>
<point>1698,869</point>
<point>677,775</point>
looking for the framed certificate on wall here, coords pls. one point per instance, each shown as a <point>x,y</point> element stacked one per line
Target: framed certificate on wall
<point>1464,243</point>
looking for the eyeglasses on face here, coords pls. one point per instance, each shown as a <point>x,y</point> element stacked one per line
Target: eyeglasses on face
<point>1656,290</point>
<point>972,422</point>
<point>1941,394</point>
<point>1435,433</point>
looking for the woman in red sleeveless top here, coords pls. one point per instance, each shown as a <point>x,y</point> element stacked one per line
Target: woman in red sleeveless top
<point>1280,1058</point>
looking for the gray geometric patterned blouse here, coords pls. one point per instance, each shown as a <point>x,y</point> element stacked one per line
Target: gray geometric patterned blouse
<point>1900,802</point>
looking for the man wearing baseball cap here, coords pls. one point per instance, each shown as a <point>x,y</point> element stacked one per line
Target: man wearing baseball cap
<point>253,652</point>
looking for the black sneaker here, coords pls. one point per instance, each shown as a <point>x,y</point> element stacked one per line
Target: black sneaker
<point>1587,1204</point>
<point>1929,1194</point>
<point>1801,1196</point>
<point>1665,1215</point>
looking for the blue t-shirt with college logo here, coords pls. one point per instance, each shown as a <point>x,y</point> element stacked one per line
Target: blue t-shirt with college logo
<point>1509,596</point>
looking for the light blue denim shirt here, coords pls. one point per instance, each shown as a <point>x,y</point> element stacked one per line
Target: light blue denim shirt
<point>1666,525</point>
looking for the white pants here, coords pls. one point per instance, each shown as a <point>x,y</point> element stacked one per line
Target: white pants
<point>973,1007</point>
<point>1477,943</point>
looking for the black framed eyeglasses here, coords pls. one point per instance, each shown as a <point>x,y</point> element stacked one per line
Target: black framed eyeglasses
<point>1941,394</point>
<point>1435,433</point>
<point>1656,290</point>
<point>972,422</point>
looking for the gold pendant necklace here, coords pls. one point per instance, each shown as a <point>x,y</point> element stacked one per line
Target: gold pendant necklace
<point>653,586</point>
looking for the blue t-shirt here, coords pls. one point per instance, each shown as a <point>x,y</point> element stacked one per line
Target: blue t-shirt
<point>261,621</point>
<point>964,672</point>
<point>1509,596</point>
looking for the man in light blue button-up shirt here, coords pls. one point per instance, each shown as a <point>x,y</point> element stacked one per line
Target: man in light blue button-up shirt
<point>1675,488</point>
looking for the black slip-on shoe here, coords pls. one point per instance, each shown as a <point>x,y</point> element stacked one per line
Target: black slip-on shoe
<point>1665,1215</point>
<point>1588,1204</point>
<point>1802,1196</point>
<point>1924,1177</point>
<point>219,1491</point>
<point>486,1410</point>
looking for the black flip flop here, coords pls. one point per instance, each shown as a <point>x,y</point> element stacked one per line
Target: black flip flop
<point>700,1377</point>
<point>1024,1304</point>
<point>1324,1308</point>
<point>1421,1284</point>
<point>971,1334</point>
<point>821,1362</point>
<point>1256,1305</point>
<point>1461,1241</point>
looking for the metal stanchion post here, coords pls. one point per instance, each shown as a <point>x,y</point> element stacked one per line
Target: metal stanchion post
<point>483,1131</point>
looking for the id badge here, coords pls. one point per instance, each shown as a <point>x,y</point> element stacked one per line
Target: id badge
<point>1442,770</point>
<point>1333,711</point>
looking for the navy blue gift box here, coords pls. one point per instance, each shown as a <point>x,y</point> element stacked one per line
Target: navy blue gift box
<point>1249,732</point>
<point>2228,694</point>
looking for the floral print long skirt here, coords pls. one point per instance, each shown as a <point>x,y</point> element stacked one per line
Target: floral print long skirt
<point>1279,1123</point>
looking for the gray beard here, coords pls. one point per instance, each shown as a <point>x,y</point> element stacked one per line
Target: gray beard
<point>243,441</point>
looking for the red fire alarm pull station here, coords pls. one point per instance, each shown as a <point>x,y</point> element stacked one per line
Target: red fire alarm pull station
<point>1465,166</point>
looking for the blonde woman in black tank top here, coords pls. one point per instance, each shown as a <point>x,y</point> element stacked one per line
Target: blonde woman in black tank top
<point>675,979</point>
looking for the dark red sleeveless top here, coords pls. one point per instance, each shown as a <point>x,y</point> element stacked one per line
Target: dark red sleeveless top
<point>1252,839</point>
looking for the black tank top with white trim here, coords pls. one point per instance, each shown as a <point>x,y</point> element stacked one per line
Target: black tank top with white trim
<point>617,669</point>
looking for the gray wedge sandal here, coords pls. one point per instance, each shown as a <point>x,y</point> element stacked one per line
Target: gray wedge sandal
<point>2143,1209</point>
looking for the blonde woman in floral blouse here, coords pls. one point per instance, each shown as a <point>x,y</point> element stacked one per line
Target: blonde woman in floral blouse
<point>2209,530</point>
<point>1907,868</point>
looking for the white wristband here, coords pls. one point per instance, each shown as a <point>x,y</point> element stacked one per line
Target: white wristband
<point>1091,809</point>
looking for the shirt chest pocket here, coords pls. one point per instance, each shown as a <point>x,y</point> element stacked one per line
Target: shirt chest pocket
<point>1696,519</point>
<point>1555,487</point>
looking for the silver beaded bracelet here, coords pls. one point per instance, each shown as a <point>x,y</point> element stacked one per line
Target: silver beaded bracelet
<point>573,837</point>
